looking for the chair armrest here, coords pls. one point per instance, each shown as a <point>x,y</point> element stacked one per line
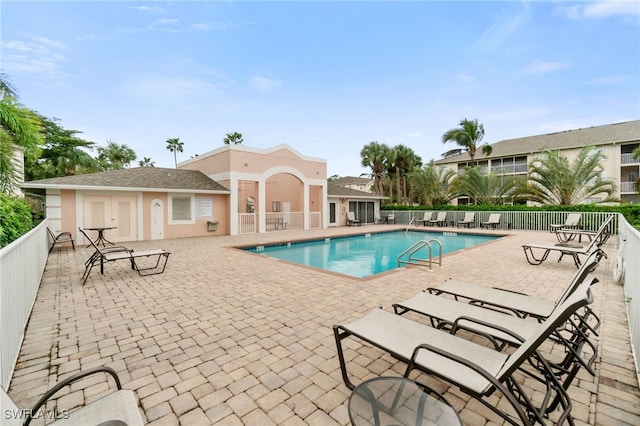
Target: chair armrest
<point>68,381</point>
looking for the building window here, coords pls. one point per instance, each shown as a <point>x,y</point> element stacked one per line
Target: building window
<point>181,209</point>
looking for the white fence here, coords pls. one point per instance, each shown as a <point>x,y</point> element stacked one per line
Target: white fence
<point>629,239</point>
<point>524,220</point>
<point>21,266</point>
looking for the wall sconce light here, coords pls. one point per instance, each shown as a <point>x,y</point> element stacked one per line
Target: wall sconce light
<point>246,164</point>
<point>343,200</point>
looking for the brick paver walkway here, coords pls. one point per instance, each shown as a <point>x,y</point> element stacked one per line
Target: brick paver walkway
<point>227,337</point>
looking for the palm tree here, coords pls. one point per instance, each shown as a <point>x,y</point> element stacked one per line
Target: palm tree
<point>553,180</point>
<point>433,184</point>
<point>405,162</point>
<point>483,188</point>
<point>174,145</point>
<point>19,126</point>
<point>115,156</point>
<point>468,137</point>
<point>234,138</point>
<point>146,162</point>
<point>375,156</point>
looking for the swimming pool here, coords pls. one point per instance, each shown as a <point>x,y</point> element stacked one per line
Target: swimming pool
<point>365,255</point>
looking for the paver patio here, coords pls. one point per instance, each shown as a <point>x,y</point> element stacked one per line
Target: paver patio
<point>227,337</point>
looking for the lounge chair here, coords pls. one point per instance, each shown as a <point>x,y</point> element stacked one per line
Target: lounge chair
<point>62,237</point>
<point>351,219</point>
<point>114,253</point>
<point>493,222</point>
<point>440,220</point>
<point>569,249</point>
<point>426,218</point>
<point>567,235</point>
<point>391,218</point>
<point>452,314</point>
<point>469,219</point>
<point>572,222</point>
<point>519,304</point>
<point>117,408</point>
<point>475,369</point>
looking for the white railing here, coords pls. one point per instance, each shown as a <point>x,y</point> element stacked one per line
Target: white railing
<point>21,266</point>
<point>629,240</point>
<point>525,220</point>
<point>627,187</point>
<point>247,223</point>
<point>628,159</point>
<point>315,220</point>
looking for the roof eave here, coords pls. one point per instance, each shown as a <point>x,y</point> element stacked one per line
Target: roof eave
<point>121,188</point>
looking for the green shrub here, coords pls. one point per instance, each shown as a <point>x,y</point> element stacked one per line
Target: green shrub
<point>15,219</point>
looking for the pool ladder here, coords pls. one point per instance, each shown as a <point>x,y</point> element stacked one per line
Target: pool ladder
<point>415,248</point>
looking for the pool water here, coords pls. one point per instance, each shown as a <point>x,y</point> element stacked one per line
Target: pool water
<point>365,255</point>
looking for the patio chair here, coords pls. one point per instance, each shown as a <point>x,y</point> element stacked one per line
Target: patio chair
<point>568,249</point>
<point>426,218</point>
<point>391,218</point>
<point>519,304</point>
<point>351,219</point>
<point>566,235</point>
<point>572,221</point>
<point>440,220</point>
<point>117,408</point>
<point>493,222</point>
<point>113,253</point>
<point>469,219</point>
<point>62,237</point>
<point>476,370</point>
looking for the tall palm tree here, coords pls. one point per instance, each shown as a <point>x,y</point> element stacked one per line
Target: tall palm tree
<point>374,155</point>
<point>234,138</point>
<point>19,126</point>
<point>174,145</point>
<point>405,161</point>
<point>553,180</point>
<point>468,137</point>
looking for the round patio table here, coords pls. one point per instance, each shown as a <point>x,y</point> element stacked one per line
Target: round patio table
<point>101,238</point>
<point>398,401</point>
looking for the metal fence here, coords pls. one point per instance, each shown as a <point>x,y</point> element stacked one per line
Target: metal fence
<point>21,266</point>
<point>522,220</point>
<point>629,240</point>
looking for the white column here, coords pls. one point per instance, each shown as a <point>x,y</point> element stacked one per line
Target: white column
<point>233,199</point>
<point>262,201</point>
<point>305,201</point>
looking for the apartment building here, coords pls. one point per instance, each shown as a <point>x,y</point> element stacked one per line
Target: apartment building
<point>510,158</point>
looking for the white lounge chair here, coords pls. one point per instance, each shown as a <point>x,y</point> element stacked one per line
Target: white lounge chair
<point>351,219</point>
<point>572,222</point>
<point>426,217</point>
<point>440,220</point>
<point>493,222</point>
<point>469,219</point>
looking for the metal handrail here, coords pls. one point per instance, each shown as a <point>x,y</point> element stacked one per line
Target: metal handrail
<point>413,219</point>
<point>417,246</point>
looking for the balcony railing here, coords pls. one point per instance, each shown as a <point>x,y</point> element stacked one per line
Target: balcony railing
<point>628,159</point>
<point>628,187</point>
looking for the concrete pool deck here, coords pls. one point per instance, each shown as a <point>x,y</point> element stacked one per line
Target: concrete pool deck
<point>227,337</point>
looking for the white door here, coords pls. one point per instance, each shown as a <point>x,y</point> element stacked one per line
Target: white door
<point>117,212</point>
<point>286,212</point>
<point>333,213</point>
<point>157,219</point>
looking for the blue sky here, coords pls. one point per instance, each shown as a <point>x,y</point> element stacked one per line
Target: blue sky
<point>325,77</point>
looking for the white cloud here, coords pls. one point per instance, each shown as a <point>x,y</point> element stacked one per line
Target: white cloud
<point>263,84</point>
<point>413,135</point>
<point>501,29</point>
<point>610,80</point>
<point>540,67</point>
<point>603,9</point>
<point>41,56</point>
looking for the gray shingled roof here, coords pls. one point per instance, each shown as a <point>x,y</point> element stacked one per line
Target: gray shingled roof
<point>141,178</point>
<point>334,190</point>
<point>628,131</point>
<point>349,180</point>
